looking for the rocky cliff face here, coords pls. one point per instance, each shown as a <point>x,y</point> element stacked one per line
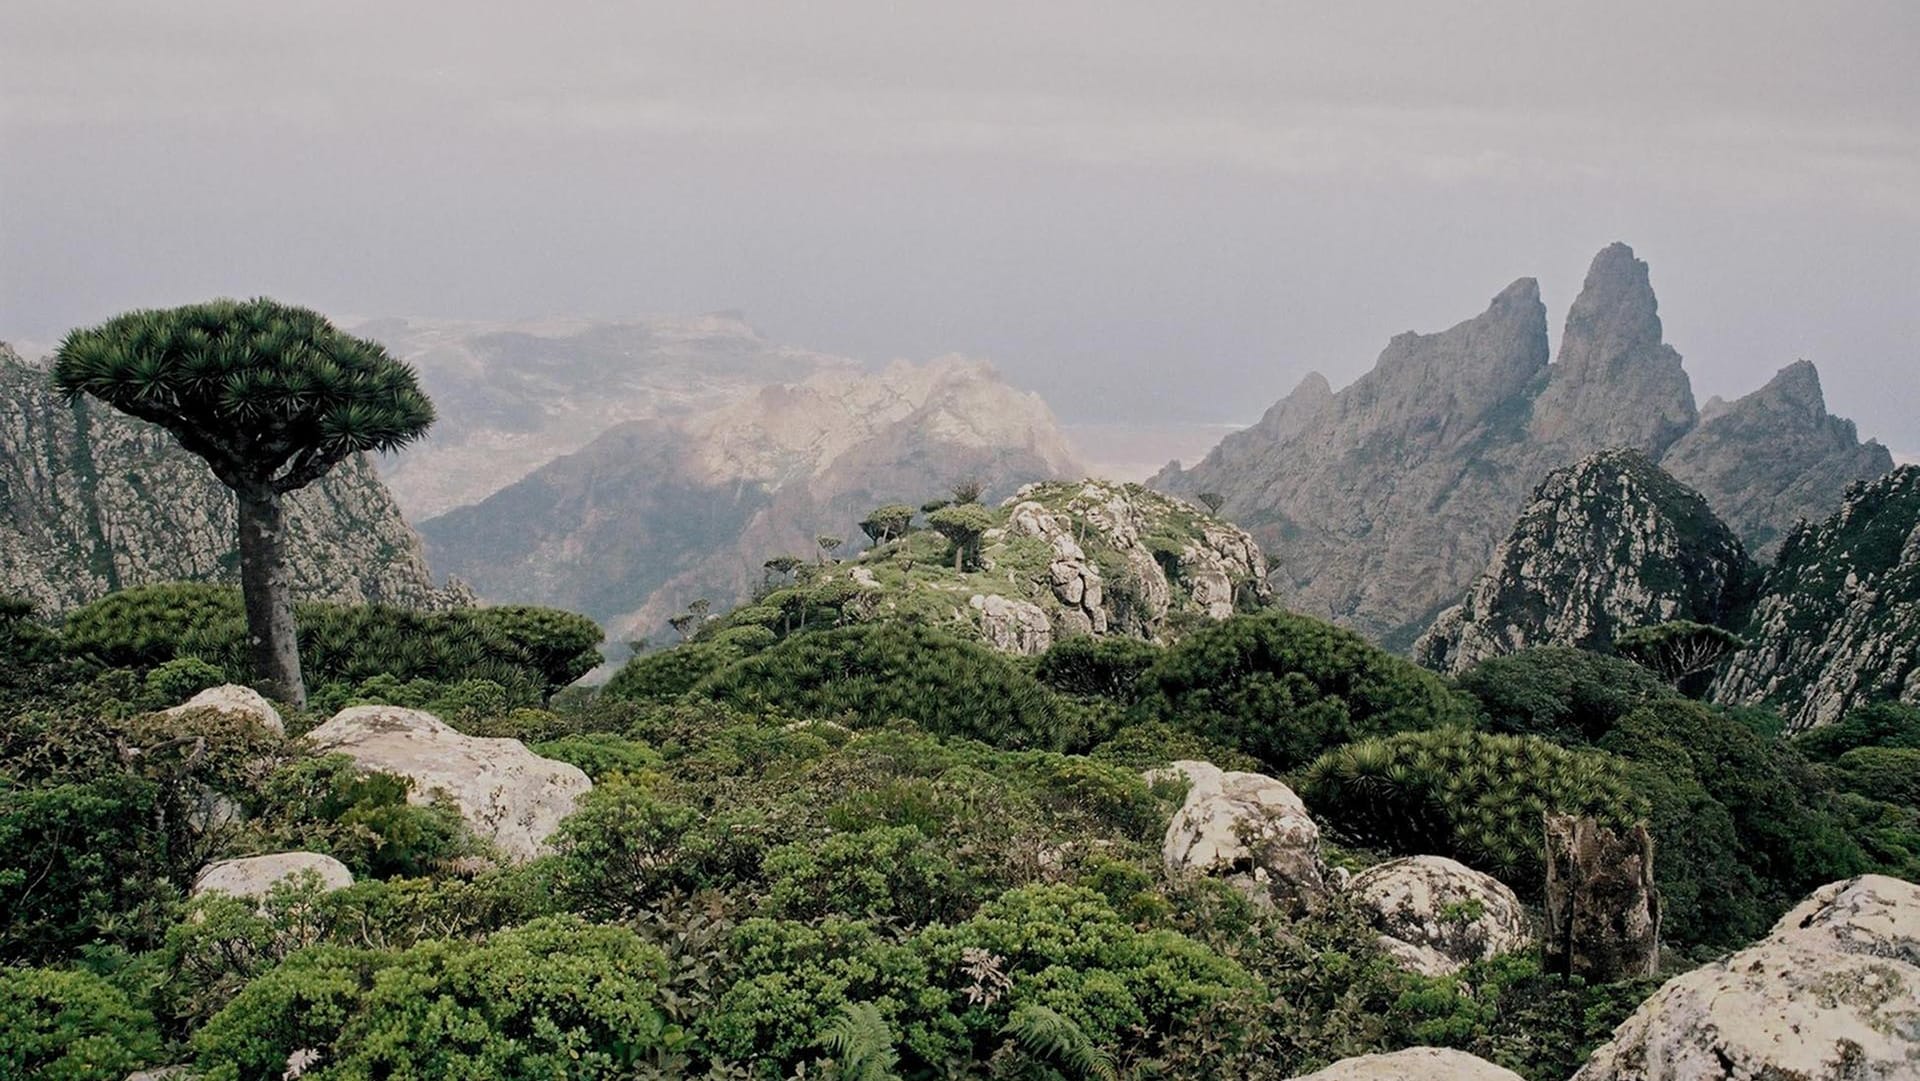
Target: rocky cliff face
<point>1606,545</point>
<point>1810,456</point>
<point>654,514</point>
<point>1381,502</point>
<point>515,396</point>
<point>92,501</point>
<point>1838,621</point>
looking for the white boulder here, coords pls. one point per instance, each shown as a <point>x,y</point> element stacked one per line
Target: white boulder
<point>504,791</point>
<point>1414,1064</point>
<point>1832,994</point>
<point>253,876</point>
<point>1243,825</point>
<point>234,699</point>
<point>1013,626</point>
<point>1436,915</point>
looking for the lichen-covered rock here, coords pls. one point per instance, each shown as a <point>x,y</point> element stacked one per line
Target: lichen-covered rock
<point>99,501</point>
<point>1436,915</point>
<point>1244,826</point>
<point>253,876</point>
<point>1606,545</point>
<point>1012,626</point>
<point>231,698</point>
<point>1414,1064</point>
<point>504,791</point>
<point>1837,624</point>
<point>1833,994</point>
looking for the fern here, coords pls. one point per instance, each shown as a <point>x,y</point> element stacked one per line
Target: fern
<point>861,1042</point>
<point>1057,1041</point>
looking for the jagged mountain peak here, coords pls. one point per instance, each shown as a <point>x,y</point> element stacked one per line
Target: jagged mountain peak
<point>1616,311</point>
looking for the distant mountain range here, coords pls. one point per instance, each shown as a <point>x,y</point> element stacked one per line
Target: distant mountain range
<point>1380,503</point>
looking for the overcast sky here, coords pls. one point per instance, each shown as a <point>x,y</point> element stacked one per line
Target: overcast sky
<point>1142,209</point>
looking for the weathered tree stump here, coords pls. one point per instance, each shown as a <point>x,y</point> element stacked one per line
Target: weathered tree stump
<point>1603,915</point>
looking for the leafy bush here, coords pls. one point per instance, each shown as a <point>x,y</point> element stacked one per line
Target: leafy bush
<point>1108,666</point>
<point>1285,688</point>
<point>878,672</point>
<point>560,646</point>
<point>1888,774</point>
<point>1569,695</point>
<point>669,673</point>
<point>555,998</point>
<point>600,754</point>
<point>624,848</point>
<point>363,819</point>
<point>70,1026</point>
<point>891,873</point>
<point>180,679</point>
<point>1154,744</point>
<point>1475,796</point>
<point>1883,724</point>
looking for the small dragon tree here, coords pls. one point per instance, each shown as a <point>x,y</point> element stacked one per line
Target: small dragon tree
<point>1678,650</point>
<point>272,397</point>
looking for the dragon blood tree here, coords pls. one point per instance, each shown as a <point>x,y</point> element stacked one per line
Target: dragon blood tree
<point>272,397</point>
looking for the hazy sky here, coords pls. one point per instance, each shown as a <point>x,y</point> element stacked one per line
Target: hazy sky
<point>1141,209</point>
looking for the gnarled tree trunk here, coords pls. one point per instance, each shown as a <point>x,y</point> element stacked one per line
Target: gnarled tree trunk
<point>271,637</point>
<point>1603,916</point>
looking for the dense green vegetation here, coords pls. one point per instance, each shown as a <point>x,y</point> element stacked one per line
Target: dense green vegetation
<point>864,850</point>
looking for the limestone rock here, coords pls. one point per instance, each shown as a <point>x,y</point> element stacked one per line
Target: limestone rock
<point>99,501</point>
<point>1810,458</point>
<point>1245,826</point>
<point>1604,546</point>
<point>504,791</point>
<point>1837,624</point>
<point>1012,626</point>
<point>1833,994</point>
<point>1436,915</point>
<point>1414,1064</point>
<point>254,876</point>
<point>234,699</point>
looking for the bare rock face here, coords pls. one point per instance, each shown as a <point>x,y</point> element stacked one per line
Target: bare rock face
<point>1833,994</point>
<point>1012,626</point>
<point>1604,546</point>
<point>1414,1064</point>
<point>1244,826</point>
<point>1436,915</point>
<point>1837,624</point>
<point>239,701</point>
<point>504,791</point>
<point>254,876</point>
<point>1603,914</point>
<point>1809,459</point>
<point>98,501</point>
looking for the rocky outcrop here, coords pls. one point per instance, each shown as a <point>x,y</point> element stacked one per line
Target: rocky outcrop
<point>1414,1064</point>
<point>1811,457</point>
<point>1604,546</point>
<point>1246,827</point>
<point>1833,994</point>
<point>254,876</point>
<point>1837,624</point>
<point>92,501</point>
<point>1012,626</point>
<point>1381,503</point>
<point>1436,915</point>
<point>654,514</point>
<point>231,698</point>
<point>505,792</point>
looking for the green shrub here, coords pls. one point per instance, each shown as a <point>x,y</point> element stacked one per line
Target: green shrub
<point>82,862</point>
<point>1107,666</point>
<point>1285,688</point>
<point>179,679</point>
<point>669,673</point>
<point>892,873</point>
<point>560,646</point>
<point>1569,695</point>
<point>877,672</point>
<point>1475,796</point>
<point>1888,774</point>
<point>363,819</point>
<point>147,626</point>
<point>556,998</point>
<point>600,754</point>
<point>625,848</point>
<point>61,1025</point>
<point>1883,724</point>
